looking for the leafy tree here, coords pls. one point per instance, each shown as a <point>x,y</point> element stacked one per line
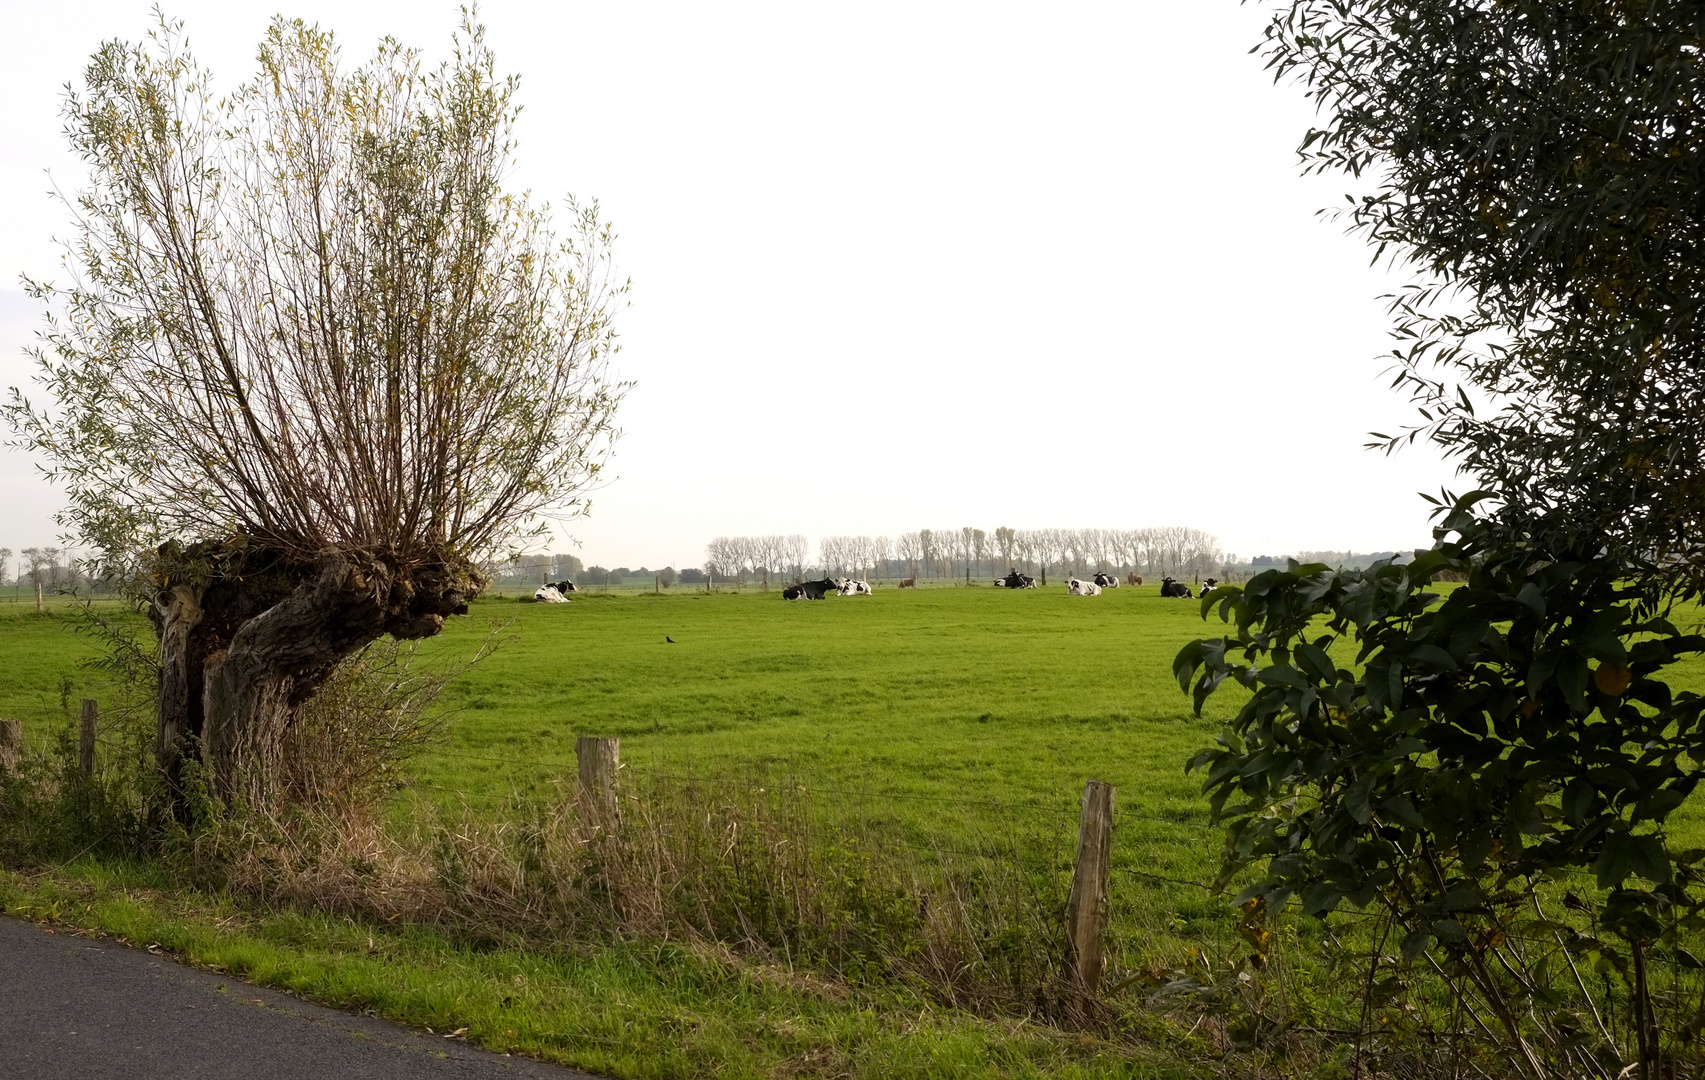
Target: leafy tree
<point>1457,761</point>
<point>1539,165</point>
<point>314,362</point>
<point>1448,758</point>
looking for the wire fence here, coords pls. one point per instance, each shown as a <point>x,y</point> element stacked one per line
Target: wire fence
<point>1016,854</point>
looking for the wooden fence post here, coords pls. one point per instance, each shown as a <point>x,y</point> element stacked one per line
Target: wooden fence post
<point>11,743</point>
<point>86,739</point>
<point>599,759</point>
<point>1087,909</point>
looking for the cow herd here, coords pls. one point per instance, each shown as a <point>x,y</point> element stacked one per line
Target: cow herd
<point>556,592</point>
<point>817,590</point>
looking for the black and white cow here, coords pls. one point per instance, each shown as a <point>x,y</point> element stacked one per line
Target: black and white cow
<point>549,594</point>
<point>1207,587</point>
<point>854,587</point>
<point>1107,581</point>
<point>1016,580</point>
<point>1074,587</point>
<point>565,587</point>
<point>1169,587</point>
<point>809,590</point>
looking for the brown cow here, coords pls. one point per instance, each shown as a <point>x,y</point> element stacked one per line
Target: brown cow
<point>1134,579</point>
<point>909,583</point>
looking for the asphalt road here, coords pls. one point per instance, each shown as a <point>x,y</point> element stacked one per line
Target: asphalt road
<point>75,1008</point>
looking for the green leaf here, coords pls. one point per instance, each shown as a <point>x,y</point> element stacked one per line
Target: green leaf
<point>1400,809</point>
<point>1314,660</point>
<point>1648,858</point>
<point>1615,860</point>
<point>1356,800</point>
<point>1532,597</point>
<point>1433,656</point>
<point>1657,805</point>
<point>1578,800</point>
<point>1415,943</point>
<point>1283,675</point>
<point>1572,675</point>
<point>1184,665</point>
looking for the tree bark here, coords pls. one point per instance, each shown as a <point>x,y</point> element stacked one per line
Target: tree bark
<point>247,636</point>
<point>176,614</point>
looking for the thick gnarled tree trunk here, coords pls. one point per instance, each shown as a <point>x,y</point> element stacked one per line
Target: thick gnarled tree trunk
<point>247,636</point>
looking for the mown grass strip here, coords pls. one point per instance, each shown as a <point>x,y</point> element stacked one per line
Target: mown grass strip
<point>641,1010</point>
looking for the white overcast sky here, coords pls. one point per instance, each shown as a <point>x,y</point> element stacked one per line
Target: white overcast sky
<point>895,265</point>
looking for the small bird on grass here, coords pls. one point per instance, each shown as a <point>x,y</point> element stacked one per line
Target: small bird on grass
<point>669,639</point>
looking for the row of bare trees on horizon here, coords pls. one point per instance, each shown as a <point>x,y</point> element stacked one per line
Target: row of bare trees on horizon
<point>45,569</point>
<point>970,552</point>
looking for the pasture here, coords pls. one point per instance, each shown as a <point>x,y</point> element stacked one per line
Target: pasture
<point>942,708</point>
<point>969,716</point>
<point>944,718</point>
<point>947,693</point>
<point>937,714</point>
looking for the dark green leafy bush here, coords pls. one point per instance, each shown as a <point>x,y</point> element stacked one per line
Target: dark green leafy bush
<point>1466,763</point>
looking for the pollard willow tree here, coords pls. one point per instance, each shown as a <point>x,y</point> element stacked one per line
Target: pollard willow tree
<point>1470,763</point>
<point>313,361</point>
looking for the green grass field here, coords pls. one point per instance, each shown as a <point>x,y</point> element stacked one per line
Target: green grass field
<point>942,714</point>
<point>918,707</point>
<point>927,705</point>
<point>960,693</point>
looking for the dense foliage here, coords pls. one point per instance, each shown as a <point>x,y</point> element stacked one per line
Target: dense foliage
<point>1458,759</point>
<point>1458,762</point>
<point>1538,165</point>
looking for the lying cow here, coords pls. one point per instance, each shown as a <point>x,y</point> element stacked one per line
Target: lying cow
<point>1107,581</point>
<point>809,590</point>
<point>549,594</point>
<point>853,587</point>
<point>1169,587</point>
<point>565,587</point>
<point>1207,587</point>
<point>1016,580</point>
<point>1074,587</point>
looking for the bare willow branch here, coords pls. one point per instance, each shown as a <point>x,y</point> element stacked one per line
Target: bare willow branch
<point>308,311</point>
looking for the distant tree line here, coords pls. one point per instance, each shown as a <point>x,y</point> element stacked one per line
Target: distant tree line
<point>47,570</point>
<point>929,554</point>
<point>969,552</point>
<point>531,571</point>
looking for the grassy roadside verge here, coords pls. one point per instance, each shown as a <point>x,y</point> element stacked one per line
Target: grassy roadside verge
<point>633,1010</point>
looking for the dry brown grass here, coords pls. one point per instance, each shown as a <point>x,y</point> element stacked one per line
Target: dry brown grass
<point>762,871</point>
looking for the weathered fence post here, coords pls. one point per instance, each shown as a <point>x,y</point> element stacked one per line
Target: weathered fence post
<point>11,743</point>
<point>86,739</point>
<point>1087,909</point>
<point>599,759</point>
